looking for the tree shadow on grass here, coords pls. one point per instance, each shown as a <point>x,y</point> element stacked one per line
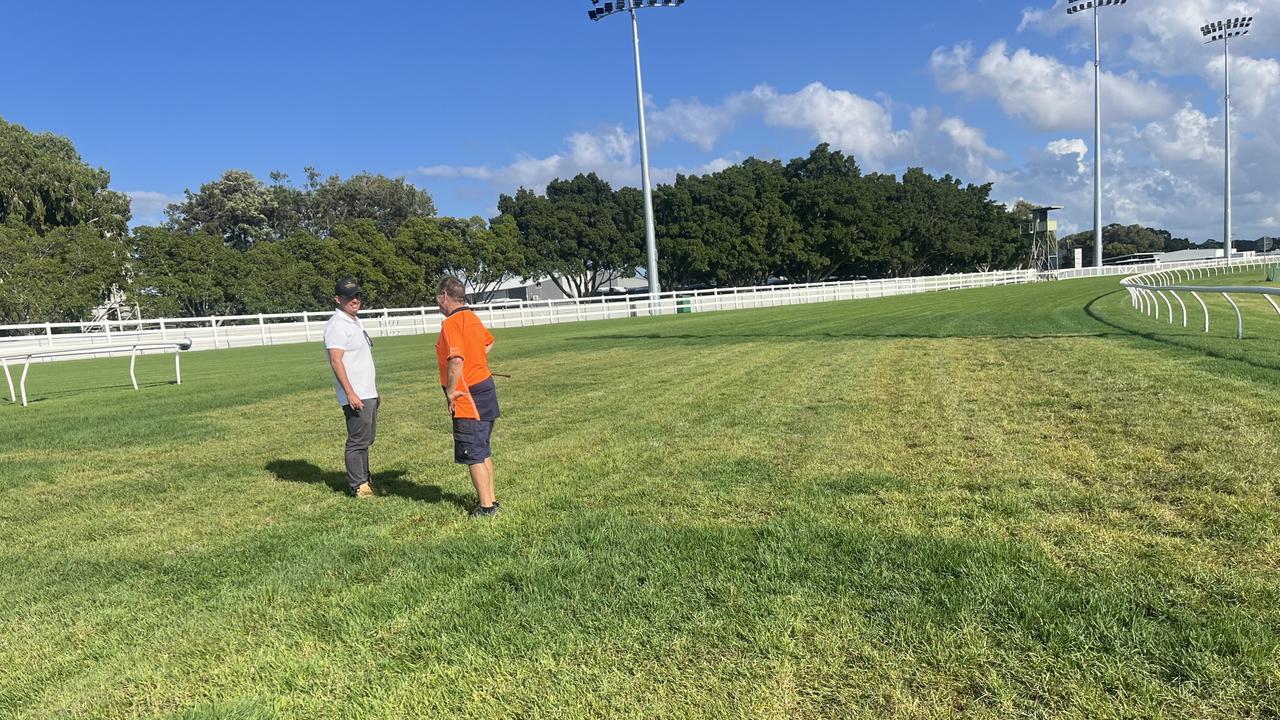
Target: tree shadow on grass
<point>388,481</point>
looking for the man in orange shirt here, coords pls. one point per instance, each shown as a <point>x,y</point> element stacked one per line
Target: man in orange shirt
<point>462,353</point>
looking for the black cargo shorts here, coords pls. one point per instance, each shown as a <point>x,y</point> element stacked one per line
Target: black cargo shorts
<point>471,441</point>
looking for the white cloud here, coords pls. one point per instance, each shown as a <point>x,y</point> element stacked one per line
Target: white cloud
<point>1042,90</point>
<point>611,154</point>
<point>1065,146</point>
<point>1187,135</point>
<point>147,206</point>
<point>1162,167</point>
<point>1255,85</point>
<point>847,121</point>
<point>1162,37</point>
<point>694,122</point>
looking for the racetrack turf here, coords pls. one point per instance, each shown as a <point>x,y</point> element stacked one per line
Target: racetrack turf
<point>1025,501</point>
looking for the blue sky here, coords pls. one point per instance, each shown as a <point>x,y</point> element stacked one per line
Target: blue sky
<point>470,99</point>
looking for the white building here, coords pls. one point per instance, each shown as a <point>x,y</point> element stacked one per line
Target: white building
<point>544,289</point>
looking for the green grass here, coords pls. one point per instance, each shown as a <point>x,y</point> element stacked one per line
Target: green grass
<point>1015,502</point>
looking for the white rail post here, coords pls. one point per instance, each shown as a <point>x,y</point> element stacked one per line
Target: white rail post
<point>1184,306</point>
<point>9,379</point>
<point>133,359</point>
<point>1239,319</point>
<point>1203,307</point>
<point>262,329</point>
<point>1166,302</point>
<point>163,334</point>
<point>177,365</point>
<point>22,383</point>
<point>306,325</point>
<point>48,333</point>
<point>213,325</point>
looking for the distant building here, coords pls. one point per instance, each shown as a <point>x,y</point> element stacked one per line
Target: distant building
<point>544,289</point>
<point>1185,255</point>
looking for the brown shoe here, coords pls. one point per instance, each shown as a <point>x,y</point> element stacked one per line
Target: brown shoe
<point>365,491</point>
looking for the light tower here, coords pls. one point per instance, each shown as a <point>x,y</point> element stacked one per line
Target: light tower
<point>1097,121</point>
<point>1224,30</point>
<point>603,10</point>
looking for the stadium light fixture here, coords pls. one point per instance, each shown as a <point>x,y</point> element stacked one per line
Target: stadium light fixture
<point>1072,9</point>
<point>601,11</point>
<point>1225,30</point>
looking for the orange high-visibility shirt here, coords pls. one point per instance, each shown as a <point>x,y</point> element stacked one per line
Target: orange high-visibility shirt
<point>462,335</point>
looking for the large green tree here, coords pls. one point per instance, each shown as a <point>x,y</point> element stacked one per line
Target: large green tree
<point>179,274</point>
<point>235,207</point>
<point>825,195</point>
<point>388,278</point>
<point>1120,240</point>
<point>949,227</point>
<point>386,202</point>
<point>579,234</point>
<point>45,185</point>
<point>63,234</point>
<point>58,276</point>
<point>244,210</point>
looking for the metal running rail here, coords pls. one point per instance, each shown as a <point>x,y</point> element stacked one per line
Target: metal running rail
<point>1147,290</point>
<point>133,348</point>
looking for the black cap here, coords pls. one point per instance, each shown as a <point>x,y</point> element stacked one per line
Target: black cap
<point>346,288</point>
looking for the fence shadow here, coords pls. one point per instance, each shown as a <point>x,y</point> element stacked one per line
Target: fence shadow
<point>390,482</point>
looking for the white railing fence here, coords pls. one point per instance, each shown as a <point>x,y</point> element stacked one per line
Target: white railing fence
<point>210,333</point>
<point>1143,268</point>
<point>134,348</point>
<point>1148,290</point>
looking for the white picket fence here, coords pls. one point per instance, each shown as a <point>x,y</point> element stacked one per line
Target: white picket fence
<point>235,331</point>
<point>211,333</point>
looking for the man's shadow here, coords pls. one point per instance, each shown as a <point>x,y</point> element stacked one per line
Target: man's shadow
<point>389,482</point>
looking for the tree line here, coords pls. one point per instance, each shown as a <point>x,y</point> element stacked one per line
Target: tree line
<point>242,245</point>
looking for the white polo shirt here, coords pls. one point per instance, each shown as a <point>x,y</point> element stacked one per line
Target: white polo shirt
<point>345,333</point>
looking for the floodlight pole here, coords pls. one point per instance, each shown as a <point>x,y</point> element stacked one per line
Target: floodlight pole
<point>613,7</point>
<point>1074,7</point>
<point>1224,30</point>
<point>650,237</point>
<point>1226,156</point>
<point>1097,142</point>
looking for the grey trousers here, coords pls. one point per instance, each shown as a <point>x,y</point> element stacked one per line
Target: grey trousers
<point>362,427</point>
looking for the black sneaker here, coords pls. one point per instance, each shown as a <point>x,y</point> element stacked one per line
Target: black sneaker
<point>490,511</point>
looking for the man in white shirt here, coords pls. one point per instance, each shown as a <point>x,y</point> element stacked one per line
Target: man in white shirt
<point>351,359</point>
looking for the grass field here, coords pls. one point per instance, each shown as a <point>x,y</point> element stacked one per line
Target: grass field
<point>1015,502</point>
